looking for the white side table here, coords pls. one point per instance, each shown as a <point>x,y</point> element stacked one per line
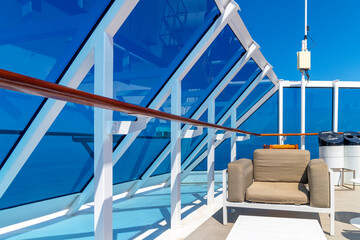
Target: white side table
<point>355,221</point>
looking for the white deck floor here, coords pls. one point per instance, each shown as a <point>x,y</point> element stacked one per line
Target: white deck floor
<point>147,215</point>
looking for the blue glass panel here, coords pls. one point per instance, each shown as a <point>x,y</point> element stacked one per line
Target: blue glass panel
<point>164,167</point>
<point>203,164</point>
<point>188,145</point>
<point>148,49</point>
<point>39,38</point>
<point>152,43</point>
<point>349,110</point>
<point>292,110</point>
<point>264,120</point>
<point>235,88</point>
<point>209,70</point>
<point>222,157</point>
<point>16,110</point>
<point>259,91</point>
<point>144,150</point>
<point>318,116</point>
<point>63,160</point>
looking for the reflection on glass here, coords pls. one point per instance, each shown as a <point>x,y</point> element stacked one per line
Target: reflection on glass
<point>235,88</point>
<point>264,120</point>
<point>209,70</point>
<point>318,116</point>
<point>148,49</point>
<point>38,39</point>
<point>256,94</point>
<point>349,110</point>
<point>150,45</point>
<point>63,160</point>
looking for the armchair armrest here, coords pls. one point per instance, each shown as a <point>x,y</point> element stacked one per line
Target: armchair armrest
<point>319,183</point>
<point>240,178</point>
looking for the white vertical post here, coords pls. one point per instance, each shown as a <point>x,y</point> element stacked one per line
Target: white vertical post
<point>175,157</point>
<point>233,136</point>
<point>281,112</point>
<point>211,154</point>
<point>103,167</point>
<point>302,109</point>
<point>335,105</point>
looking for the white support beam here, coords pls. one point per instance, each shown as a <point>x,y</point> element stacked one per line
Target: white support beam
<point>310,84</point>
<point>175,187</point>
<point>51,109</point>
<point>253,109</point>
<point>349,84</point>
<point>280,112</point>
<point>211,154</point>
<point>103,141</point>
<point>335,105</point>
<point>302,115</point>
<point>184,68</point>
<point>233,136</point>
<point>322,84</point>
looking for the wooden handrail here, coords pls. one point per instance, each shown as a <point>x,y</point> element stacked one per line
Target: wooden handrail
<point>20,83</point>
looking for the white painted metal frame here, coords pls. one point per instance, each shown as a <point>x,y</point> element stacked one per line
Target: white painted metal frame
<point>282,207</point>
<point>211,155</point>
<point>175,144</point>
<point>239,64</point>
<point>233,137</point>
<point>302,115</point>
<point>111,22</point>
<point>335,105</point>
<point>103,141</point>
<point>223,119</point>
<point>242,119</point>
<point>200,48</point>
<point>280,112</point>
<point>335,85</point>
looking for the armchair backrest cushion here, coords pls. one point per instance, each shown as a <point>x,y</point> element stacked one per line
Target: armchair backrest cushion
<point>281,165</point>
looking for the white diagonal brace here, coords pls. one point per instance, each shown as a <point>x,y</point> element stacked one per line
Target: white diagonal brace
<point>195,54</point>
<point>253,109</point>
<point>83,62</point>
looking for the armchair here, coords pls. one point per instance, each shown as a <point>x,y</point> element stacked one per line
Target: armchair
<point>279,179</point>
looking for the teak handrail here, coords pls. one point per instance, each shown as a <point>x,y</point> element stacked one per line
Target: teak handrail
<point>20,83</point>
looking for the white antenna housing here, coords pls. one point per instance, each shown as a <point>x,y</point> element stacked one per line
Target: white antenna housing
<point>304,56</point>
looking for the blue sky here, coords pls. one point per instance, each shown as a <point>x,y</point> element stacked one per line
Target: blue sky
<point>278,27</point>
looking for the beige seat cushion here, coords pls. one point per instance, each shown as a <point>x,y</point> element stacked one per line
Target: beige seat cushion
<point>277,192</point>
<point>281,165</point>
